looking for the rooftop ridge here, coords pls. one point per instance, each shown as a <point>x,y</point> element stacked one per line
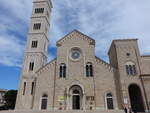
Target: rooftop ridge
<point>126,39</point>
<point>123,40</point>
<point>104,62</point>
<point>57,43</point>
<point>145,56</point>
<point>45,65</point>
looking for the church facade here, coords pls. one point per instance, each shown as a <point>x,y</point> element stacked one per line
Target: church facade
<point>76,79</point>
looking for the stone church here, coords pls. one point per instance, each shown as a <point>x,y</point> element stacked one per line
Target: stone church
<point>76,79</point>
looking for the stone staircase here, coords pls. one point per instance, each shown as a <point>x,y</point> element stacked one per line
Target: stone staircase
<point>68,111</point>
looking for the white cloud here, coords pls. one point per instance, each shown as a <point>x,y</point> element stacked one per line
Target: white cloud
<point>11,50</point>
<point>14,21</point>
<point>103,20</point>
<point>106,20</point>
<point>21,9</point>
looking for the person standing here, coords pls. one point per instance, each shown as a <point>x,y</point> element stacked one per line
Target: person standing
<point>125,110</point>
<point>130,110</point>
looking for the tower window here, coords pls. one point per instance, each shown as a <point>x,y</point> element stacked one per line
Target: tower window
<point>44,102</point>
<point>37,26</point>
<point>39,10</point>
<point>24,88</point>
<point>62,72</point>
<point>131,68</point>
<point>127,69</point>
<point>31,66</point>
<point>32,89</point>
<point>89,70</point>
<point>34,44</point>
<point>134,69</point>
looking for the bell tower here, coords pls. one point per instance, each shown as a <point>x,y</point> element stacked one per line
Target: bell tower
<point>36,52</point>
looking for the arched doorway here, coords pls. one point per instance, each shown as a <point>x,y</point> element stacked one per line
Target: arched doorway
<point>136,98</point>
<point>109,101</point>
<point>76,97</point>
<point>44,102</point>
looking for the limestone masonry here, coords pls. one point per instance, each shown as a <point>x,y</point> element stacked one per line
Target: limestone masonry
<point>76,79</point>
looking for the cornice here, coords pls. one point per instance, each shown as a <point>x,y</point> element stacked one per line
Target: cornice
<point>78,35</point>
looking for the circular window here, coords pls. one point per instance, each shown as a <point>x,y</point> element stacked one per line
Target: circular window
<point>75,53</point>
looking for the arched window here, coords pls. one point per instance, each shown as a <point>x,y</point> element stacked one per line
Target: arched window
<point>109,101</point>
<point>31,66</point>
<point>89,70</point>
<point>32,88</point>
<point>34,44</point>
<point>24,88</point>
<point>62,72</point>
<point>131,68</point>
<point>44,102</point>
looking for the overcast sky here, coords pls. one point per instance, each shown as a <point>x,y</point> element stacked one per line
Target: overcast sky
<point>102,20</point>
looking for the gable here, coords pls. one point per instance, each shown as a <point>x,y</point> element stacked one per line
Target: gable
<point>47,66</point>
<point>105,64</point>
<point>75,34</point>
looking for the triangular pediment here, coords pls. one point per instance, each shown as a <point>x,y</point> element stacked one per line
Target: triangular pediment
<point>47,66</point>
<point>75,34</point>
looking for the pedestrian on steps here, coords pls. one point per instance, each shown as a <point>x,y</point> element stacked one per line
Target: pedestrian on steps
<point>125,110</point>
<point>130,110</point>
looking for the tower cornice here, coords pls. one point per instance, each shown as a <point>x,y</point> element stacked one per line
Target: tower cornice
<point>32,53</point>
<point>49,2</point>
<point>41,17</point>
<point>39,33</point>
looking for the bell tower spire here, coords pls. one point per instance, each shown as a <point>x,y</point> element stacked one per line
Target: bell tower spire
<point>36,52</point>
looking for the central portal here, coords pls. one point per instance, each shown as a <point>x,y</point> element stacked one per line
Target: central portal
<point>76,97</point>
<point>76,102</point>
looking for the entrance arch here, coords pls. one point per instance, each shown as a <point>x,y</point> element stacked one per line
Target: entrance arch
<point>76,96</point>
<point>136,98</point>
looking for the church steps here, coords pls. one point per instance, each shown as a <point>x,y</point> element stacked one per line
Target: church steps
<point>68,111</point>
